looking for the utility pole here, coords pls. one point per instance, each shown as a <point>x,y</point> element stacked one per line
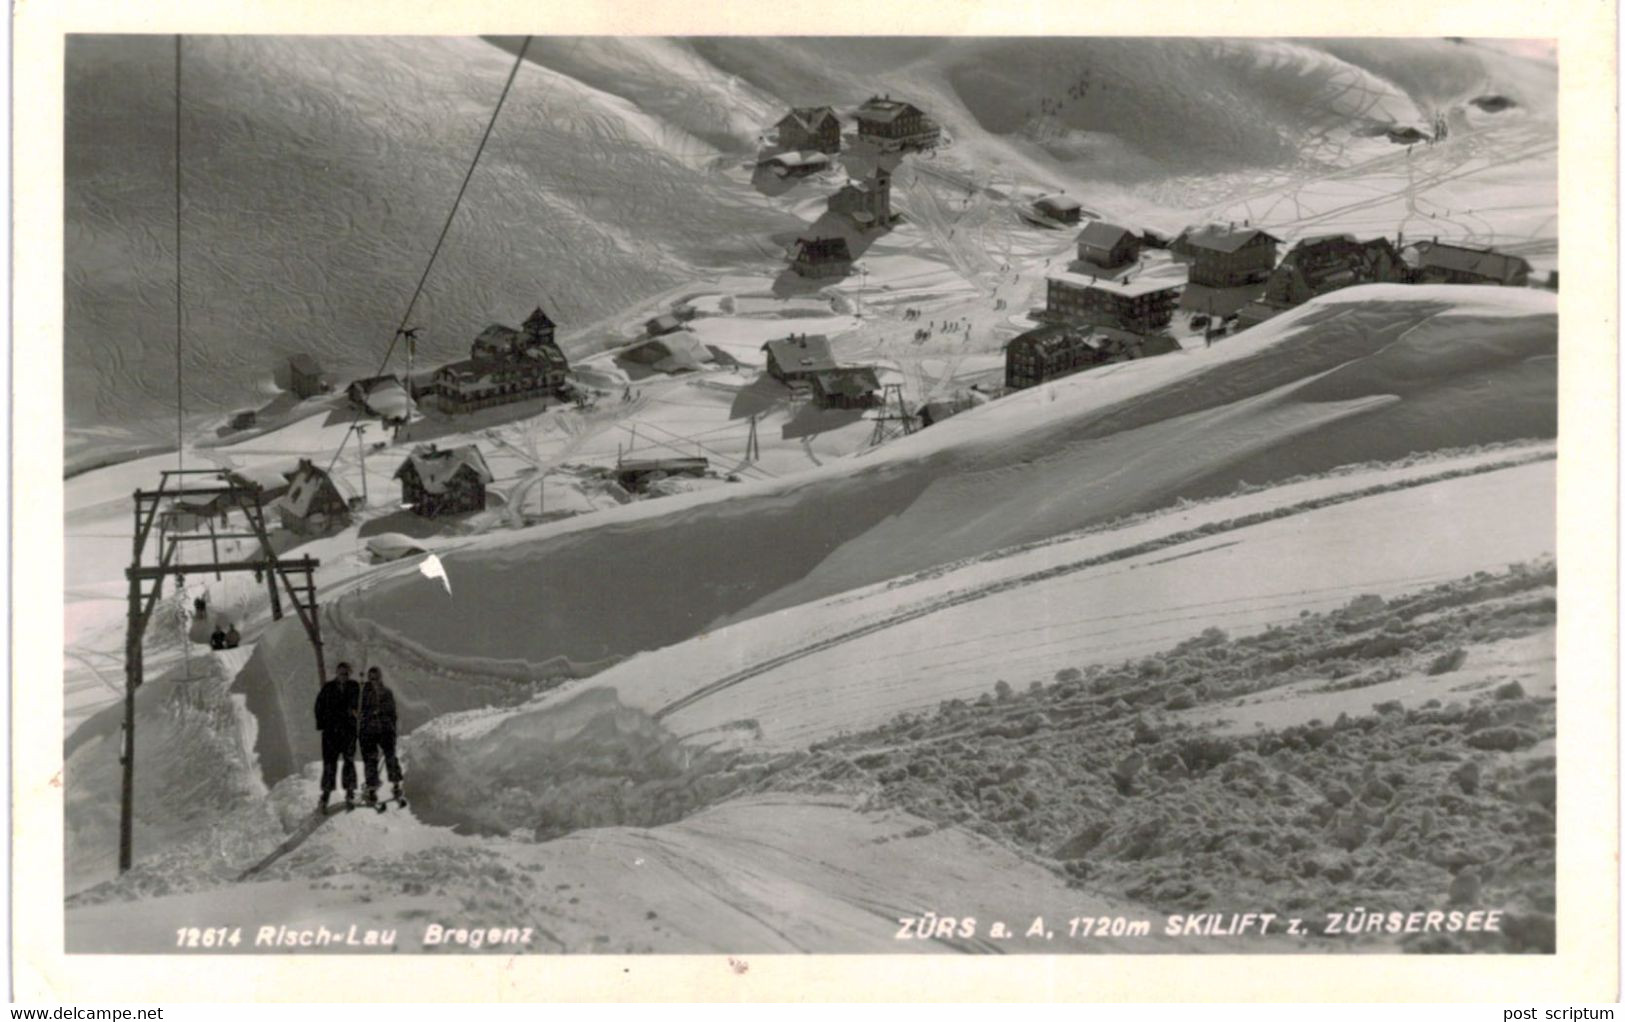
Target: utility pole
<point>361,446</point>
<point>753,450</point>
<point>410,335</point>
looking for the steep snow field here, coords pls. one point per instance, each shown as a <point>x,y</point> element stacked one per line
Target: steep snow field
<point>1408,365</point>
<point>317,172</point>
<point>853,661</point>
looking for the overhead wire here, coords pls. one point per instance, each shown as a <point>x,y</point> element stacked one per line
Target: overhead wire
<point>445,229</point>
<point>180,404</point>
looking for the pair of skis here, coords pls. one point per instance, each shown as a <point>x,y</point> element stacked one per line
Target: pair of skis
<point>306,829</point>
<point>376,805</point>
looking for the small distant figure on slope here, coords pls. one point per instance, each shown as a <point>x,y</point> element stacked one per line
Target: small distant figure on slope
<point>217,638</point>
<point>336,720</point>
<point>378,734</point>
<point>232,638</point>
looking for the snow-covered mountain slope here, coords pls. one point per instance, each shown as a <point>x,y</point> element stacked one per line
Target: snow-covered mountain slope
<point>784,681</point>
<point>1406,368</point>
<point>318,171</point>
<point>641,780</point>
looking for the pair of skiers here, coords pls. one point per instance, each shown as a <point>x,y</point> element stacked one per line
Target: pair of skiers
<point>226,638</point>
<point>346,711</point>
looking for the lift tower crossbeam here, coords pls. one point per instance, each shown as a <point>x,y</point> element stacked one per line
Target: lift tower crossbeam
<point>204,502</point>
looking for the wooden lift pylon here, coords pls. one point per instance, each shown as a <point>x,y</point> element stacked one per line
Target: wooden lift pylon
<point>229,496</point>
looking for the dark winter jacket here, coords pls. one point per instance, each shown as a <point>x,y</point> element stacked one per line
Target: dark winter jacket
<point>335,706</point>
<point>377,709</point>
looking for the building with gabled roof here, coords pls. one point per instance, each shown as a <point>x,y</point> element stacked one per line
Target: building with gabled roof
<point>438,482</point>
<point>268,482</point>
<point>1445,263</point>
<point>1048,353</point>
<point>1060,208</point>
<point>1107,245</point>
<point>313,502</point>
<point>796,163</point>
<point>810,127</point>
<point>472,384</point>
<point>676,352</point>
<point>1226,256</point>
<point>893,124</point>
<point>384,396</point>
<point>846,387</point>
<point>539,327</point>
<point>664,323</point>
<point>798,357</point>
<point>820,257</point>
<point>504,365</point>
<point>305,376</point>
<point>1320,265</point>
<point>866,200</point>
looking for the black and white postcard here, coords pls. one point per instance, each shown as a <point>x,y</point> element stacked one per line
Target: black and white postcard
<point>593,490</point>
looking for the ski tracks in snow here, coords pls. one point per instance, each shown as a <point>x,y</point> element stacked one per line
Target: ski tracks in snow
<point>1026,579</point>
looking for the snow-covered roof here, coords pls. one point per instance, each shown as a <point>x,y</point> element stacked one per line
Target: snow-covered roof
<point>848,381</point>
<point>497,335</point>
<point>1100,234</point>
<point>306,485</point>
<point>678,351</point>
<point>1054,337</point>
<point>384,396</point>
<point>548,353</point>
<point>435,467</point>
<point>304,364</point>
<point>885,109</point>
<point>1058,202</point>
<point>1138,284</point>
<point>1482,261</point>
<point>801,353</point>
<point>809,117</point>
<point>799,159</point>
<point>821,249</point>
<point>1217,238</point>
<point>271,480</point>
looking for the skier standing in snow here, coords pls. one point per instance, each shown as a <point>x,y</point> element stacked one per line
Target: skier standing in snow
<point>336,720</point>
<point>378,734</point>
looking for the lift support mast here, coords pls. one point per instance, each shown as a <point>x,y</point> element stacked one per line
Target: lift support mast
<point>231,495</point>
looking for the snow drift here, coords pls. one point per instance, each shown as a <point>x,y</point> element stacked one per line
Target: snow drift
<point>1416,368</point>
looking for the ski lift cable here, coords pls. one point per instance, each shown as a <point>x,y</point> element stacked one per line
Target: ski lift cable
<point>445,229</point>
<point>180,404</point>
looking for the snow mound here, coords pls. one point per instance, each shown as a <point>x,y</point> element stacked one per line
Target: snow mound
<point>194,752</point>
<point>587,761</point>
